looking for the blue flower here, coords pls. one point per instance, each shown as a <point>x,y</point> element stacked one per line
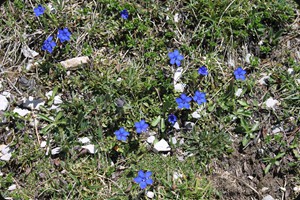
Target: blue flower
<point>175,58</point>
<point>49,44</point>
<point>199,97</point>
<point>121,134</point>
<point>183,101</point>
<point>203,71</point>
<point>39,10</point>
<point>124,14</point>
<point>64,35</point>
<point>141,126</point>
<point>239,73</point>
<point>143,179</point>
<point>172,118</point>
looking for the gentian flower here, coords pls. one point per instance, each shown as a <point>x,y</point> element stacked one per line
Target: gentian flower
<point>39,10</point>
<point>172,118</point>
<point>48,44</point>
<point>239,73</point>
<point>199,97</point>
<point>141,126</point>
<point>121,134</point>
<point>183,101</point>
<point>202,71</point>
<point>175,58</point>
<point>143,179</point>
<point>64,35</point>
<point>124,14</point>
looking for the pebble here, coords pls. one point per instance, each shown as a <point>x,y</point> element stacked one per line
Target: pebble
<point>150,194</point>
<point>21,112</point>
<point>32,103</point>
<point>196,115</point>
<point>177,175</point>
<point>263,80</point>
<point>74,63</point>
<point>176,126</point>
<point>296,189</point>
<point>162,146</point>
<point>264,189</point>
<point>189,125</point>
<point>84,140</point>
<point>90,148</point>
<point>151,139</point>
<point>3,103</point>
<point>238,92</point>
<point>272,103</point>
<point>43,144</point>
<point>55,151</point>
<point>268,197</point>
<point>12,187</point>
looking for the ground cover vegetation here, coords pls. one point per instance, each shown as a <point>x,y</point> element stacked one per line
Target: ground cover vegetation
<point>214,82</point>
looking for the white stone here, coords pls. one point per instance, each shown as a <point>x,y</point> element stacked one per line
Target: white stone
<point>90,148</point>
<point>3,103</point>
<point>55,151</point>
<point>176,126</point>
<point>174,140</point>
<point>272,103</point>
<point>1,174</point>
<point>151,139</point>
<point>84,140</point>
<point>162,146</point>
<point>12,187</point>
<point>150,194</point>
<point>177,75</point>
<point>260,43</point>
<point>181,142</point>
<point>264,189</point>
<point>296,189</point>
<point>43,144</point>
<point>247,58</point>
<point>74,63</point>
<point>21,112</point>
<point>6,94</point>
<point>268,197</point>
<point>6,157</point>
<point>49,94</point>
<point>189,125</point>
<point>238,92</point>
<point>277,130</point>
<point>28,53</point>
<point>33,103</point>
<point>196,115</point>
<point>177,175</point>
<point>179,87</point>
<point>119,79</point>
<point>263,80</point>
<point>4,149</point>
<point>57,100</point>
<point>1,85</point>
<point>176,17</point>
<point>290,71</point>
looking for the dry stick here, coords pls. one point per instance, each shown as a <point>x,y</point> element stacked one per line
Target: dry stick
<point>36,130</point>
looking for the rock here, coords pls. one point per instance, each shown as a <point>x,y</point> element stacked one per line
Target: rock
<point>162,146</point>
<point>189,125</point>
<point>55,151</point>
<point>12,187</point>
<point>174,140</point>
<point>84,140</point>
<point>290,71</point>
<point>3,103</point>
<point>272,103</point>
<point>177,175</point>
<point>1,85</point>
<point>5,153</point>
<point>264,189</point>
<point>43,144</point>
<point>176,17</point>
<point>177,75</point>
<point>196,115</point>
<point>264,79</point>
<point>247,58</point>
<point>57,100</point>
<point>33,104</point>
<point>21,112</point>
<point>150,194</point>
<point>179,87</point>
<point>176,126</point>
<point>151,139</point>
<point>74,63</point>
<point>296,189</point>
<point>238,92</point>
<point>268,197</point>
<point>90,148</point>
<point>28,53</point>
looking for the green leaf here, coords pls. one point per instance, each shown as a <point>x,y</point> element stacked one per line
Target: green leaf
<point>156,121</point>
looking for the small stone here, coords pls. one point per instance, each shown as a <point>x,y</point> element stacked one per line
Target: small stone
<point>177,74</point>
<point>57,100</point>
<point>282,188</point>
<point>290,71</point>
<point>250,177</point>
<point>21,112</point>
<point>196,115</point>
<point>43,144</point>
<point>296,189</point>
<point>3,103</point>
<point>150,194</point>
<point>74,63</point>
<point>189,125</point>
<point>176,17</point>
<point>174,140</point>
<point>238,92</point>
<point>247,58</point>
<point>28,53</point>
<point>176,126</point>
<point>177,175</point>
<point>272,103</point>
<point>84,140</point>
<point>264,79</point>
<point>12,187</point>
<point>49,94</point>
<point>151,139</point>
<point>55,151</point>
<point>32,103</point>
<point>5,152</point>
<point>264,189</point>
<point>90,148</point>
<point>162,146</point>
<point>268,197</point>
<point>6,157</point>
<point>179,87</point>
<point>277,130</point>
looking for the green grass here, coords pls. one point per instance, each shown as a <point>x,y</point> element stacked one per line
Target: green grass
<point>129,64</point>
